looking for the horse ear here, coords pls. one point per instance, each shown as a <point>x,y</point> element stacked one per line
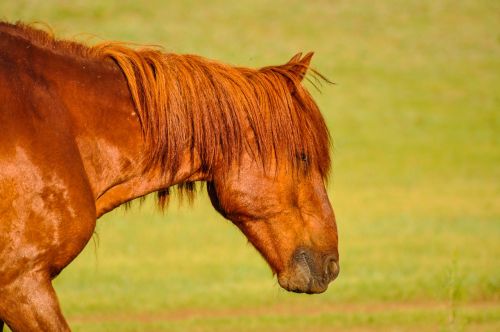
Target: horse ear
<point>295,58</point>
<point>299,65</point>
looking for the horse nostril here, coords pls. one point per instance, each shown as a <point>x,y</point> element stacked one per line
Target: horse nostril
<point>332,268</point>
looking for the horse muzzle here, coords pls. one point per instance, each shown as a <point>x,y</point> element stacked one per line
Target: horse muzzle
<point>309,272</point>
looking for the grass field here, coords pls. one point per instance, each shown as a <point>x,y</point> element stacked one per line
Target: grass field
<point>416,127</point>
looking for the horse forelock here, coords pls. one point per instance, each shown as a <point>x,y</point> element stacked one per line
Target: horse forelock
<point>187,100</point>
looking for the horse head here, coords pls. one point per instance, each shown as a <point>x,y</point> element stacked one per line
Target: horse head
<point>281,203</point>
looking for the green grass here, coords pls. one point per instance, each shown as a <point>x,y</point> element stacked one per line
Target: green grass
<point>415,121</point>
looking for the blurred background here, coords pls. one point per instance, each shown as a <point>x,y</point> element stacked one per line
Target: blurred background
<point>414,116</point>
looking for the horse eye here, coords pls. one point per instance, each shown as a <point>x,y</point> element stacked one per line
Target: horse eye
<point>303,157</point>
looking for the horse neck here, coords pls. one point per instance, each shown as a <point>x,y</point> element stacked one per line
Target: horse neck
<point>109,136</point>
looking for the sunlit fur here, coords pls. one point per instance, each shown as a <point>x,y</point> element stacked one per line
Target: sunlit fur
<point>181,98</point>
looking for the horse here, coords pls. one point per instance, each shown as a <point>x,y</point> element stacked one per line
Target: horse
<point>85,129</point>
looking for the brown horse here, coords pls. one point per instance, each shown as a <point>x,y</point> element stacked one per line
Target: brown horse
<point>86,129</point>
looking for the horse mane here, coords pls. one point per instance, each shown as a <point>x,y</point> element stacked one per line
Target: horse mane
<point>183,99</point>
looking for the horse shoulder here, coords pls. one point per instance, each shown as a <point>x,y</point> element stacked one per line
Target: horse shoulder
<point>47,211</point>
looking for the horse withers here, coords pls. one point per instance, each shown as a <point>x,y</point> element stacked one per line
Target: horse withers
<point>86,129</point>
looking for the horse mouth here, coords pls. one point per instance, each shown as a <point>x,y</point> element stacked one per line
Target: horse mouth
<point>308,286</point>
